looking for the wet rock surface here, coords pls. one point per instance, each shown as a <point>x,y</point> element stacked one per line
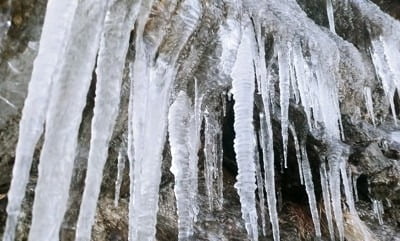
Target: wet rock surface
<point>374,152</point>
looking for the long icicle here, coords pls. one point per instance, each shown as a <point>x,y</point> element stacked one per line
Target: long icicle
<point>267,143</point>
<point>59,15</point>
<point>309,184</point>
<point>243,87</point>
<point>152,82</point>
<point>110,65</point>
<point>326,197</point>
<point>60,141</point>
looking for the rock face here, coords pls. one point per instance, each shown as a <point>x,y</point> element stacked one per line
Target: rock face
<point>371,143</point>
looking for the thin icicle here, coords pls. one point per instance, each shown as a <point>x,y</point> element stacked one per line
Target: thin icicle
<point>243,87</point>
<point>60,141</point>
<point>309,184</point>
<point>213,161</point>
<point>55,35</point>
<point>152,83</point>
<point>180,123</point>
<point>369,104</point>
<point>120,175</point>
<point>327,198</point>
<point>284,92</point>
<point>110,64</point>
<point>266,137</point>
<point>355,189</point>
<point>298,152</point>
<point>331,19</point>
<point>260,190</point>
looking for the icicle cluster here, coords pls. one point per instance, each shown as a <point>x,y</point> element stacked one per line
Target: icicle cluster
<point>303,67</point>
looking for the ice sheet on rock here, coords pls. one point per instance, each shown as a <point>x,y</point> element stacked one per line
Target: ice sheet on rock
<point>326,196</point>
<point>213,160</point>
<point>180,124</point>
<point>369,104</point>
<point>69,95</point>
<point>243,87</point>
<point>309,184</point>
<point>151,83</point>
<point>377,208</point>
<point>110,65</point>
<point>55,35</point>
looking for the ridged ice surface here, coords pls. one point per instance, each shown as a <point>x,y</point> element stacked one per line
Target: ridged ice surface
<point>181,122</point>
<point>243,86</point>
<point>272,56</point>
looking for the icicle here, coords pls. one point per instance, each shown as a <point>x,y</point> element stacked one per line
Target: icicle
<point>260,189</point>
<point>110,64</point>
<point>347,188</point>
<point>378,210</point>
<point>284,91</point>
<point>384,73</point>
<point>298,153</point>
<point>266,138</point>
<point>120,175</point>
<point>180,123</point>
<point>307,175</point>
<point>327,199</point>
<point>243,89</point>
<point>329,11</point>
<point>369,104</point>
<point>355,190</point>
<point>213,161</point>
<point>151,89</point>
<point>334,159</point>
<point>69,94</point>
<point>55,34</point>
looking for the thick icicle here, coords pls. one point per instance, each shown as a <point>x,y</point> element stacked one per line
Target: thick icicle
<point>329,12</point>
<point>369,104</point>
<point>110,64</point>
<point>327,199</point>
<point>243,87</point>
<point>120,175</point>
<point>266,136</point>
<point>152,81</point>
<point>69,95</point>
<point>334,159</point>
<point>55,33</point>
<point>284,92</point>
<point>213,161</point>
<point>309,184</point>
<point>180,123</point>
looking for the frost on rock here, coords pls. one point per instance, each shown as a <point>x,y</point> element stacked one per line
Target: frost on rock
<point>243,86</point>
<point>180,125</point>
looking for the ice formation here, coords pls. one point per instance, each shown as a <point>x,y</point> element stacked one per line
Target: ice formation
<point>268,58</point>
